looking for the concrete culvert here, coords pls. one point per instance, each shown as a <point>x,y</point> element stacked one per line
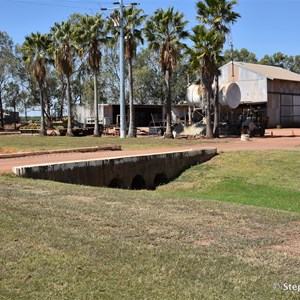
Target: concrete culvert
<point>160,179</point>
<point>138,183</point>
<point>115,183</point>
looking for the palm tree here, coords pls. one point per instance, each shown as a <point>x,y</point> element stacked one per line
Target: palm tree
<point>62,49</point>
<point>132,38</point>
<point>217,15</point>
<point>90,35</point>
<point>132,19</point>
<point>204,55</point>
<point>164,32</point>
<point>34,52</point>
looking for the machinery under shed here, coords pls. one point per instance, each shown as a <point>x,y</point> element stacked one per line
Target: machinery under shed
<point>272,91</point>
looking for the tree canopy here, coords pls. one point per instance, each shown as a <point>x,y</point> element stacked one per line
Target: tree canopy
<point>74,64</point>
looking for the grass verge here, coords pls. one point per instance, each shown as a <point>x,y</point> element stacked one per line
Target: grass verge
<point>60,241</point>
<point>11,144</point>
<point>260,178</point>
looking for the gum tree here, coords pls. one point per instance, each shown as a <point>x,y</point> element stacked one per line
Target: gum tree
<point>6,58</point>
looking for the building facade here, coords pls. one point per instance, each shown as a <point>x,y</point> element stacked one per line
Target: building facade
<point>272,87</point>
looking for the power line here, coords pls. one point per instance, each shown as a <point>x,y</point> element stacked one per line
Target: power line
<point>27,2</point>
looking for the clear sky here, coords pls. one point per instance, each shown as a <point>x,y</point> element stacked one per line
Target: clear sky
<point>265,26</point>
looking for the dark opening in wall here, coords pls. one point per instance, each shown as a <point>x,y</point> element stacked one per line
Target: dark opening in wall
<point>138,183</point>
<point>115,183</point>
<point>160,179</point>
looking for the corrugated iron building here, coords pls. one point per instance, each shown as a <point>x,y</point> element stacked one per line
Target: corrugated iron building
<point>274,87</point>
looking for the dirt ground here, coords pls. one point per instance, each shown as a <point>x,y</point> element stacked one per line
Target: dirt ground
<point>284,139</point>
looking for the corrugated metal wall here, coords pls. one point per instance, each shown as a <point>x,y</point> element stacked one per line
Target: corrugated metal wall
<point>282,96</point>
<point>284,103</point>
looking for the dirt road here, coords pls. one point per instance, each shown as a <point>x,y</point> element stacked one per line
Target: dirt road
<point>285,139</point>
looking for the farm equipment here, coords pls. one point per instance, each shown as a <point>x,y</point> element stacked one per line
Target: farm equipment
<point>253,122</point>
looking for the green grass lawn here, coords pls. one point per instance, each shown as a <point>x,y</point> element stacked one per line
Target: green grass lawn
<point>260,178</point>
<point>61,241</point>
<point>35,142</point>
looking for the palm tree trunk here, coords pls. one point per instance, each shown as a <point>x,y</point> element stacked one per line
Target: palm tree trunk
<point>42,129</point>
<point>131,130</point>
<point>216,109</point>
<point>1,112</point>
<point>62,98</point>
<point>48,108</point>
<point>61,105</point>
<point>209,130</point>
<point>69,99</point>
<point>168,133</point>
<point>96,108</point>
<point>15,113</point>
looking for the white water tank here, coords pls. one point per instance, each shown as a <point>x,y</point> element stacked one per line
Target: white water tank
<point>193,97</point>
<point>230,94</point>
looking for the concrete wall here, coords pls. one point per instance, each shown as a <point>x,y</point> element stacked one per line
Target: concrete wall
<point>145,171</point>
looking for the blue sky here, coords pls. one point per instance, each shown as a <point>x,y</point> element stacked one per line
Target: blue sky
<point>265,26</point>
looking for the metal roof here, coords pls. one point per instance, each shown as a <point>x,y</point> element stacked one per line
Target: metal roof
<point>270,72</point>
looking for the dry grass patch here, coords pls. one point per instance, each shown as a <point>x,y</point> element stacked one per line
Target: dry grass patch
<point>63,241</point>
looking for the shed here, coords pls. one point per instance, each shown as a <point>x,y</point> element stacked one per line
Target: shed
<point>109,114</point>
<point>275,87</point>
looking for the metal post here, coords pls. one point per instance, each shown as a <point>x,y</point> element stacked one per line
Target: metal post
<point>122,77</point>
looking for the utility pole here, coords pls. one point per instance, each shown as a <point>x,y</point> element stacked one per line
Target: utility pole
<point>122,76</point>
<point>123,126</point>
<point>232,65</point>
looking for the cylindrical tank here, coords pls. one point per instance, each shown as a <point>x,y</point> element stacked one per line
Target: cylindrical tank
<point>229,94</point>
<point>193,96</point>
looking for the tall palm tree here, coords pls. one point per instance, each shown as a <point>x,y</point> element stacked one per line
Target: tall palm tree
<point>205,55</point>
<point>62,49</point>
<point>217,15</point>
<point>164,32</point>
<point>133,19</point>
<point>90,36</point>
<point>34,52</point>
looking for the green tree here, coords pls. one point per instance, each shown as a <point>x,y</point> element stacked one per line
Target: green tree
<point>149,84</point>
<point>29,87</point>
<point>296,64</point>
<point>63,52</point>
<point>13,96</point>
<point>205,55</point>
<point>109,74</point>
<point>216,15</point>
<point>242,55</point>
<point>278,59</point>
<point>34,51</point>
<point>164,31</point>
<point>133,19</point>
<point>6,59</point>
<point>179,81</point>
<point>90,36</point>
